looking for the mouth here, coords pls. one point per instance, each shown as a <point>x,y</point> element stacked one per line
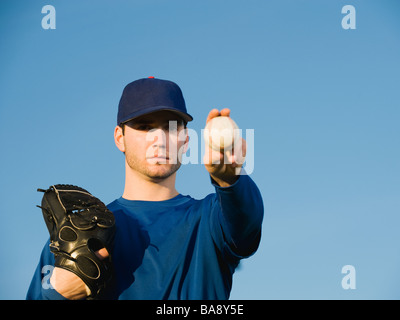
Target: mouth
<point>158,157</point>
<point>158,160</point>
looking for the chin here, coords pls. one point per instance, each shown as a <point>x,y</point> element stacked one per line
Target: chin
<point>162,171</point>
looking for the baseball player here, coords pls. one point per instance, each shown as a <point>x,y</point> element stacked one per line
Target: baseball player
<point>165,245</point>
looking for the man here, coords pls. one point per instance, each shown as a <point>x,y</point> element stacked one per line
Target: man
<point>167,245</point>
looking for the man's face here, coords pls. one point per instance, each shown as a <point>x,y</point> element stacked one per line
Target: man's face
<point>154,144</point>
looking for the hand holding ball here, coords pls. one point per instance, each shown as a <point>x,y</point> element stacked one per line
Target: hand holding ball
<point>225,150</point>
<point>221,133</point>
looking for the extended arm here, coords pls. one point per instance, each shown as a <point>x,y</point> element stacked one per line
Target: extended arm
<point>240,207</point>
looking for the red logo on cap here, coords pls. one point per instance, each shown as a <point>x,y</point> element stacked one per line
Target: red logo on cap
<point>151,77</point>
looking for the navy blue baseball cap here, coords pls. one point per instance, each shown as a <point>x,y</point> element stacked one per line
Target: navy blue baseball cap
<point>148,95</point>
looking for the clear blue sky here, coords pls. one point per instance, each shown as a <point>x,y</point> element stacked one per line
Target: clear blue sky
<point>323,102</point>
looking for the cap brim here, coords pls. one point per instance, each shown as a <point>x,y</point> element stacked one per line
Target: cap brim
<point>185,116</point>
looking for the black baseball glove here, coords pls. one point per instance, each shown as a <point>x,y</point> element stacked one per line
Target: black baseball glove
<point>79,225</point>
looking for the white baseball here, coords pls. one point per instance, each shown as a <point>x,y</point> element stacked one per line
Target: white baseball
<point>221,133</point>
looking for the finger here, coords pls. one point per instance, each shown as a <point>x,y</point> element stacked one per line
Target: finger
<point>244,147</point>
<point>102,253</point>
<point>239,151</point>
<point>230,157</point>
<point>212,157</point>
<point>225,112</point>
<point>212,114</point>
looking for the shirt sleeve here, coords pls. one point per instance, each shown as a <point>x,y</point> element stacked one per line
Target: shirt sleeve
<point>40,287</point>
<point>237,216</point>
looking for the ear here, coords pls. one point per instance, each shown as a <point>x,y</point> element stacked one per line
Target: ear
<point>186,145</point>
<point>185,138</point>
<point>119,138</point>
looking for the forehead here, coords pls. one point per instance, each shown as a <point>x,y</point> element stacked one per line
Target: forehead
<point>157,117</point>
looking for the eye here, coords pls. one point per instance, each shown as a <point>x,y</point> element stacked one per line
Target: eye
<point>143,127</point>
<point>172,125</point>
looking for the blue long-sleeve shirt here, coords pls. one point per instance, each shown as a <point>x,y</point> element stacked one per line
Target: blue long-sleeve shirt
<point>180,248</point>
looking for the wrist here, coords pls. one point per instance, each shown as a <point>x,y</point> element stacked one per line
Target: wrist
<point>224,182</point>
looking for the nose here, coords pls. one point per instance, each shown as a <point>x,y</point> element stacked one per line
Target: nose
<point>157,137</point>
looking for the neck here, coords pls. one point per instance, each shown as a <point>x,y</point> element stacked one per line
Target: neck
<point>139,187</point>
